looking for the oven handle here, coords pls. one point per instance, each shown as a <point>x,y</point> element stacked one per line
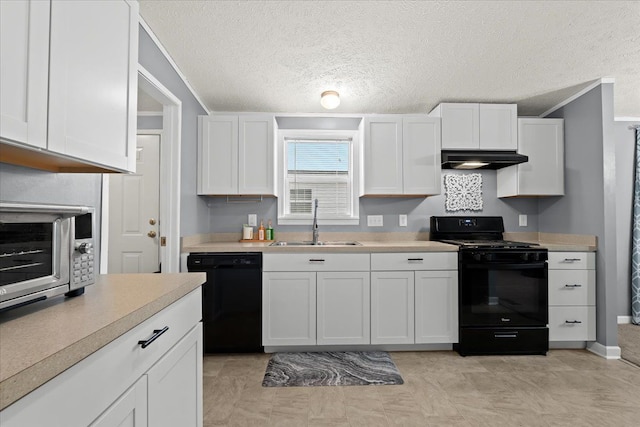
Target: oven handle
<point>505,266</point>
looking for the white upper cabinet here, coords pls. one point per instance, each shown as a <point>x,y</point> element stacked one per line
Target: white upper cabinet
<point>236,154</point>
<point>383,155</point>
<point>93,81</point>
<point>478,126</point>
<point>401,155</point>
<point>543,175</point>
<point>69,84</point>
<point>24,55</point>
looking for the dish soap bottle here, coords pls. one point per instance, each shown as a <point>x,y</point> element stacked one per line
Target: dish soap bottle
<point>261,231</point>
<point>269,231</point>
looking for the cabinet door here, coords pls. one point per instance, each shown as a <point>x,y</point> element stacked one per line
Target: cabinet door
<point>130,410</point>
<point>175,384</point>
<point>392,307</point>
<point>543,141</point>
<point>436,306</point>
<point>498,126</point>
<point>421,164</point>
<point>255,155</point>
<point>93,78</point>
<point>460,126</point>
<point>218,155</point>
<point>383,155</point>
<point>24,55</point>
<point>343,308</point>
<point>288,308</point>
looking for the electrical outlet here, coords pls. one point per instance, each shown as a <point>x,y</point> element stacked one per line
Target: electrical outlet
<point>253,220</point>
<point>522,220</point>
<point>402,220</point>
<point>374,220</point>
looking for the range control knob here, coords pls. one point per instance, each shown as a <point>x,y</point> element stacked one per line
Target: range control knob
<point>489,257</point>
<point>525,256</point>
<point>477,256</point>
<point>84,248</point>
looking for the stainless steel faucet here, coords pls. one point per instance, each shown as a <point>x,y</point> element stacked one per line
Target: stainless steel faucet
<point>315,222</point>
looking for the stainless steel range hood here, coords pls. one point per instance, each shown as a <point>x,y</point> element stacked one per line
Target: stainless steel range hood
<point>477,159</point>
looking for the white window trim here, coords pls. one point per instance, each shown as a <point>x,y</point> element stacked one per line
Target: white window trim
<point>354,167</point>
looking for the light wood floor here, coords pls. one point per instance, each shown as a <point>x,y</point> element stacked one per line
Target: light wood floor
<point>565,388</point>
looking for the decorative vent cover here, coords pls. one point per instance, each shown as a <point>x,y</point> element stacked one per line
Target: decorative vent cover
<point>463,192</point>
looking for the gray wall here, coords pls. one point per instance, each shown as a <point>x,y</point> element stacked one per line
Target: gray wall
<point>589,206</point>
<point>194,213</point>
<point>229,216</point>
<point>625,154</point>
<point>20,184</point>
<point>149,122</point>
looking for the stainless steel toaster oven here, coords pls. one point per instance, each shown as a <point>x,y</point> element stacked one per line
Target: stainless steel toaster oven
<point>45,250</point>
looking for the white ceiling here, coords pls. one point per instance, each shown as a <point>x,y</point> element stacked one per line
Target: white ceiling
<point>399,56</point>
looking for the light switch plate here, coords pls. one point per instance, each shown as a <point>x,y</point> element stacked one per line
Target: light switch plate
<point>402,220</point>
<point>253,220</point>
<point>522,220</point>
<point>374,221</point>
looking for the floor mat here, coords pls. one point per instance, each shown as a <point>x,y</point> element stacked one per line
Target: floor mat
<point>331,369</point>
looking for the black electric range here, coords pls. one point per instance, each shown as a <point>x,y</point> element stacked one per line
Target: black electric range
<point>502,287</point>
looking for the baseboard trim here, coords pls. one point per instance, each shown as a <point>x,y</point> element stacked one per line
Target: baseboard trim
<point>624,319</point>
<point>363,347</point>
<point>608,352</point>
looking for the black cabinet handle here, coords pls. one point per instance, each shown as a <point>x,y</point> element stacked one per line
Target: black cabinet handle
<point>514,335</point>
<point>572,259</point>
<point>573,286</point>
<point>316,260</point>
<point>572,322</point>
<point>152,338</point>
<point>415,259</point>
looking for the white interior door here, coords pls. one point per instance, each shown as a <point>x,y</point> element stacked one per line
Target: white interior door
<point>134,207</point>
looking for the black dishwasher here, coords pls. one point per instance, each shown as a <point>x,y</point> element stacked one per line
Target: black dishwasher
<point>231,301</point>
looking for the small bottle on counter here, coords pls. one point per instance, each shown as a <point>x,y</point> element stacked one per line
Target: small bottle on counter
<point>269,231</point>
<point>261,230</point>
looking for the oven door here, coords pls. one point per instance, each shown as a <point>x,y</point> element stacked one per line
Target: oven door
<point>34,256</point>
<point>503,294</point>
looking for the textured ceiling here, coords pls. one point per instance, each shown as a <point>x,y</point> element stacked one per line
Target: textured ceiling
<point>399,56</point>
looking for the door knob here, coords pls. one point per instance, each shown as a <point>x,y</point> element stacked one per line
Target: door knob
<point>152,221</point>
<point>151,234</point>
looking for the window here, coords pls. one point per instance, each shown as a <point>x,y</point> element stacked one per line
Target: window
<point>318,165</point>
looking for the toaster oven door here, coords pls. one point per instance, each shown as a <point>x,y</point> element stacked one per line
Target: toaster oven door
<point>34,256</point>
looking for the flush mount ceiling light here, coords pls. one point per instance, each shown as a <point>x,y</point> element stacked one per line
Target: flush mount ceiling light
<point>330,99</point>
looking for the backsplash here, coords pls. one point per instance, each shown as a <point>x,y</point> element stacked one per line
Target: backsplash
<point>228,217</point>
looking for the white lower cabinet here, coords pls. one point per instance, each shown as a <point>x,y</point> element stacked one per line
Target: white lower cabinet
<point>392,307</point>
<point>130,410</point>
<point>417,302</point>
<point>123,384</point>
<point>315,299</point>
<point>288,308</point>
<point>572,296</point>
<point>359,299</point>
<point>436,309</point>
<point>343,308</point>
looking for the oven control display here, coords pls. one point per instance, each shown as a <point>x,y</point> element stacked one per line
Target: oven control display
<point>468,222</point>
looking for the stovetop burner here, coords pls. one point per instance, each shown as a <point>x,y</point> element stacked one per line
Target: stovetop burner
<point>490,244</point>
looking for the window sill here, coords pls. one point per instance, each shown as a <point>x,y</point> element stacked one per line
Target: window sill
<point>309,222</point>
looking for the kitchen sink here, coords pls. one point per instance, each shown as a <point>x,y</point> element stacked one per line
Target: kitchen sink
<point>310,243</point>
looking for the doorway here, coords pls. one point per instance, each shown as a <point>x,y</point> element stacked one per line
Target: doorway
<point>168,221</point>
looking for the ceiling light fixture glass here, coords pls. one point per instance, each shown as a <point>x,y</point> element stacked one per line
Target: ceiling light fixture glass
<point>330,99</point>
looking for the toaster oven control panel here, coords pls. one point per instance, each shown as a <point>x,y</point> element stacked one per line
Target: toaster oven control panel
<point>82,265</point>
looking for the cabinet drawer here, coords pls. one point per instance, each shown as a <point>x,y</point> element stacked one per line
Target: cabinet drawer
<point>572,260</point>
<point>414,261</point>
<point>572,323</point>
<point>572,287</point>
<point>316,262</point>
